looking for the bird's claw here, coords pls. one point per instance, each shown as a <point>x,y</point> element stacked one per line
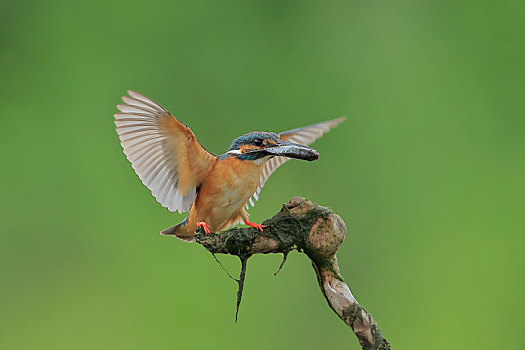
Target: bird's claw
<point>204,226</point>
<point>254,225</point>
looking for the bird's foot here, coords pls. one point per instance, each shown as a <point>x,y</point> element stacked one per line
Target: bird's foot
<point>204,226</point>
<point>254,225</point>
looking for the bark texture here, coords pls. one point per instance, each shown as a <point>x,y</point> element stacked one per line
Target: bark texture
<point>318,232</point>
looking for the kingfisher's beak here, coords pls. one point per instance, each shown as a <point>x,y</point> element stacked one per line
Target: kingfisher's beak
<point>292,150</point>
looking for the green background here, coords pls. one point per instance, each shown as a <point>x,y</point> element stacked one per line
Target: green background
<point>428,171</point>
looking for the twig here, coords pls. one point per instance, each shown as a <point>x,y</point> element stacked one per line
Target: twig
<point>240,281</point>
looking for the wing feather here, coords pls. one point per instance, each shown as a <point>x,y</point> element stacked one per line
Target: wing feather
<point>306,136</point>
<point>162,150</point>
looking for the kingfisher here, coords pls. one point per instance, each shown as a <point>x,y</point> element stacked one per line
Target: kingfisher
<point>183,176</point>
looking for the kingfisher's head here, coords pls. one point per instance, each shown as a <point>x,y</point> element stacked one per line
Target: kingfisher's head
<point>258,144</point>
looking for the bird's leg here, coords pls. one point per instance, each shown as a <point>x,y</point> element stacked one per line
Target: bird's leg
<point>254,225</point>
<point>204,226</point>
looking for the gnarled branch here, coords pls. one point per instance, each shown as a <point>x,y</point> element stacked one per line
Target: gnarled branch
<point>318,232</point>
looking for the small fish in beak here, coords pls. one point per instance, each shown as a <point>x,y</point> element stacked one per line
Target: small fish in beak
<point>292,150</point>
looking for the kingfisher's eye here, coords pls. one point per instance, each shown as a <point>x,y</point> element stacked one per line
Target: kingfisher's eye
<point>258,142</point>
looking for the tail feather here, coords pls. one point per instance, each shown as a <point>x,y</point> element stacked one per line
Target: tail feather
<point>180,231</point>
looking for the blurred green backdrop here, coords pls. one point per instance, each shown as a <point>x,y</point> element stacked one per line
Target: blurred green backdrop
<point>428,170</point>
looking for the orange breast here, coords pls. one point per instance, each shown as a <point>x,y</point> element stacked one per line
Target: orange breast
<point>224,192</point>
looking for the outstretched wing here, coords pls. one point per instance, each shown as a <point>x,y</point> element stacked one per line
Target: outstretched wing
<point>305,135</point>
<point>163,151</point>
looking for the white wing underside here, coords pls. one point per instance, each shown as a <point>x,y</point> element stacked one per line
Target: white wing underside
<point>148,150</point>
<point>306,136</point>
